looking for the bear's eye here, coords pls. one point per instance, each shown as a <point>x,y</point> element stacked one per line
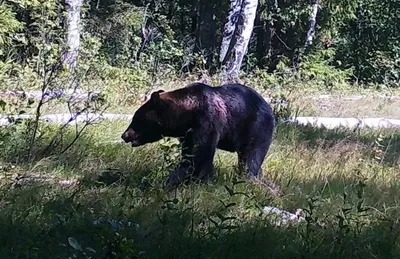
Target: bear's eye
<point>145,122</point>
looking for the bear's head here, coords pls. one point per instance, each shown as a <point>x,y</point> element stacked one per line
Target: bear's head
<point>147,123</point>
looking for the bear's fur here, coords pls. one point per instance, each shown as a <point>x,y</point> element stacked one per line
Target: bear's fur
<point>230,117</point>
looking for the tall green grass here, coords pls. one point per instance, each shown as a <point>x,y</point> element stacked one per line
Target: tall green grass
<point>344,181</point>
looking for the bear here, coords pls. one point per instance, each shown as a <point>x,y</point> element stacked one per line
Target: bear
<point>231,117</point>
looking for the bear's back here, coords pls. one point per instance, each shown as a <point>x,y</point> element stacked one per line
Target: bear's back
<point>238,100</point>
<point>229,92</point>
<point>244,98</point>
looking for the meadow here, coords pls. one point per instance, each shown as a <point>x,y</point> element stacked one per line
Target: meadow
<point>101,198</point>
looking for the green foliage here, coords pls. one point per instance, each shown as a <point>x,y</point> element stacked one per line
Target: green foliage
<point>366,42</point>
<point>117,25</point>
<point>33,48</point>
<point>42,28</point>
<point>14,138</point>
<point>167,50</point>
<point>353,41</point>
<point>320,68</point>
<point>8,25</point>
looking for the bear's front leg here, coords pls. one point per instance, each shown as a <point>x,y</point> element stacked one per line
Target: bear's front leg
<point>197,159</point>
<point>185,167</point>
<point>203,151</point>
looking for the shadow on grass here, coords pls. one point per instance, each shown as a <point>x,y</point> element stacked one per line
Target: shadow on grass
<point>41,221</point>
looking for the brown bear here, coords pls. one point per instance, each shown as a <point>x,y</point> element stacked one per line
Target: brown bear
<point>231,117</point>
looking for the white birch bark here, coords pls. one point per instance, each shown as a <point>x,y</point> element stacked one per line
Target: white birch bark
<point>229,28</point>
<point>313,22</point>
<point>73,25</point>
<point>243,27</point>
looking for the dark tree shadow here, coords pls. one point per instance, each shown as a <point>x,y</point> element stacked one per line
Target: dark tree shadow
<point>132,227</point>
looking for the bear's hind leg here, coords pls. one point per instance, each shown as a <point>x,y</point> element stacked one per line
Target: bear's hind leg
<point>250,161</point>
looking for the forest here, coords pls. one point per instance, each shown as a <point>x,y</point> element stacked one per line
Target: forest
<point>73,72</point>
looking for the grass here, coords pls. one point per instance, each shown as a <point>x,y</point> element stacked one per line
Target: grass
<point>369,106</point>
<point>345,182</point>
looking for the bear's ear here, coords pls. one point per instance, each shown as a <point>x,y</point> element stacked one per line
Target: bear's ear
<point>147,97</point>
<point>155,97</point>
<point>159,91</point>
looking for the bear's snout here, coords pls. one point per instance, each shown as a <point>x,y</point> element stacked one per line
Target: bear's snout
<point>128,135</point>
<point>131,136</point>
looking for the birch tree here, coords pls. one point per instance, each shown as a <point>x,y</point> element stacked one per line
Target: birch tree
<point>313,22</point>
<point>310,34</point>
<point>73,24</point>
<point>236,36</point>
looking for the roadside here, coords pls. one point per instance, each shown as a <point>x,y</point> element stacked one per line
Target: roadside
<point>361,104</point>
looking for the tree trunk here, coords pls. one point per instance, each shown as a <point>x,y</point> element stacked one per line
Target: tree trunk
<point>228,40</point>
<point>238,29</point>
<point>206,30</point>
<point>298,53</point>
<point>194,16</point>
<point>73,33</point>
<point>263,32</point>
<point>313,21</point>
<point>260,31</point>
